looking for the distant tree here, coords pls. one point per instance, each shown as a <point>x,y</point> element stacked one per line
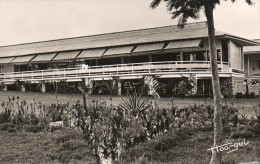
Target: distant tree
<point>184,9</point>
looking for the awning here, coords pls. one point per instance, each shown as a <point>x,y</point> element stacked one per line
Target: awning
<point>183,44</point>
<point>149,47</point>
<point>43,57</point>
<point>69,55</point>
<point>22,59</point>
<point>92,54</point>
<point>119,51</point>
<point>6,60</point>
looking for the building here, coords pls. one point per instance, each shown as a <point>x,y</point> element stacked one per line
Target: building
<point>252,68</point>
<point>166,52</point>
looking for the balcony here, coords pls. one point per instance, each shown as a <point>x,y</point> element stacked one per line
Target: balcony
<point>133,69</point>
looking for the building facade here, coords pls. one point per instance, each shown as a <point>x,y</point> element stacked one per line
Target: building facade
<point>252,68</point>
<point>168,53</point>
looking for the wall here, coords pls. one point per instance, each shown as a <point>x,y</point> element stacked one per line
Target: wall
<point>249,67</point>
<point>235,56</point>
<point>230,86</point>
<point>8,68</point>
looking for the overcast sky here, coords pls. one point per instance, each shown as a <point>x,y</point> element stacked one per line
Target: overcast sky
<point>23,21</point>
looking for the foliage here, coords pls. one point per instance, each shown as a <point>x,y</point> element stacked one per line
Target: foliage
<point>107,86</point>
<point>185,85</point>
<point>2,86</point>
<point>240,95</point>
<point>134,104</point>
<point>18,85</point>
<point>109,129</point>
<point>33,117</point>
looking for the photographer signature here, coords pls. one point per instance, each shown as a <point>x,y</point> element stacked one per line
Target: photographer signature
<point>230,147</point>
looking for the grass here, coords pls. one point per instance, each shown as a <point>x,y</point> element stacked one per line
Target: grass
<point>190,146</point>
<point>49,98</point>
<point>58,147</point>
<point>187,146</point>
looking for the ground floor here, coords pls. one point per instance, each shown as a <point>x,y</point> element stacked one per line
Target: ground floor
<point>167,86</point>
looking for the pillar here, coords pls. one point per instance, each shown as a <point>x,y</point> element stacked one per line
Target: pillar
<point>43,88</point>
<point>181,56</point>
<point>89,82</point>
<point>23,88</point>
<point>150,58</point>
<point>122,60</point>
<point>5,88</point>
<point>119,89</point>
<point>194,89</point>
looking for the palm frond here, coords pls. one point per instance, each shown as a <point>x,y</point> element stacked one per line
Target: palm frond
<point>155,3</point>
<point>153,85</point>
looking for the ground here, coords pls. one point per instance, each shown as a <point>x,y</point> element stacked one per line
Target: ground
<point>187,146</point>
<point>67,145</point>
<point>165,102</point>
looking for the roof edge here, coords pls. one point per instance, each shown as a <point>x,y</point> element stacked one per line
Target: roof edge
<point>100,34</point>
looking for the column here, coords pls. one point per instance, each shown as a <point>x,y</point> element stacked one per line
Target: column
<point>122,60</point>
<point>89,83</point>
<point>5,88</point>
<point>119,89</point>
<point>23,88</point>
<point>181,56</point>
<point>194,89</point>
<point>43,88</point>
<point>150,58</point>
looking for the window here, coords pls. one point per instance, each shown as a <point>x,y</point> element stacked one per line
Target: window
<point>195,56</point>
<point>136,59</point>
<point>166,57</point>
<point>110,61</point>
<point>218,55</point>
<point>1,69</point>
<point>256,65</point>
<point>90,62</point>
<point>187,56</point>
<point>224,51</point>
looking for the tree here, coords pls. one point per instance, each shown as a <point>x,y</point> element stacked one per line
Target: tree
<point>184,9</point>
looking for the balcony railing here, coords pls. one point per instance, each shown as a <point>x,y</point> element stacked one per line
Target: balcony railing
<point>133,69</point>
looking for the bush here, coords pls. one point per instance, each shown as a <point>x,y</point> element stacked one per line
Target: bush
<point>239,95</point>
<point>7,126</point>
<point>34,128</point>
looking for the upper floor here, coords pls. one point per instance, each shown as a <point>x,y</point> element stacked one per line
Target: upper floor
<point>252,60</point>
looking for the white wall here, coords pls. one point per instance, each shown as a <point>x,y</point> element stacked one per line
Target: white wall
<point>249,64</point>
<point>235,56</point>
<point>8,68</point>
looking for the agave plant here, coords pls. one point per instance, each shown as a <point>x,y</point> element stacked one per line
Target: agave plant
<point>134,104</point>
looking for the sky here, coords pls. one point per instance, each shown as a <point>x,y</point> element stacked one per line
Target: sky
<point>24,21</point>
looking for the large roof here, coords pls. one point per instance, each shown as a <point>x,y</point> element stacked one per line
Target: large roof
<point>252,49</point>
<point>151,35</point>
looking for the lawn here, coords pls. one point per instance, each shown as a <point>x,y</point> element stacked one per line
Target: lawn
<point>187,146</point>
<point>60,146</point>
<point>164,102</point>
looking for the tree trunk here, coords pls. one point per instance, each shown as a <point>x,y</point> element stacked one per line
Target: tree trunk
<point>56,93</point>
<point>218,129</point>
<point>84,95</point>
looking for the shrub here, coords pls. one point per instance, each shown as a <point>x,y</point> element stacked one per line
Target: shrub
<point>34,128</point>
<point>7,126</point>
<point>239,95</point>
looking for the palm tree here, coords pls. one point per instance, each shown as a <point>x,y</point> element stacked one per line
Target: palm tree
<point>184,9</point>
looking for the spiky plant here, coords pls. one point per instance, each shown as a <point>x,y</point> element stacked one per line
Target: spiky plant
<point>134,104</point>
